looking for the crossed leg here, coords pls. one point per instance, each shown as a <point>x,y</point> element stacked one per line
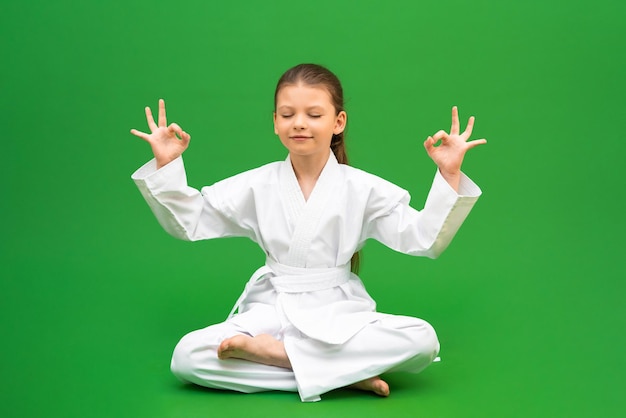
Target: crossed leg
<point>248,359</point>
<point>265,349</point>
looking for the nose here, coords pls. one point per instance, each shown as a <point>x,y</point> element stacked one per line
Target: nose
<point>299,121</point>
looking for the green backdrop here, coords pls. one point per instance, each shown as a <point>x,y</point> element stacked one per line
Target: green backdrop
<point>527,301</point>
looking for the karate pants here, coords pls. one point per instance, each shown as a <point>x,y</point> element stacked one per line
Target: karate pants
<point>393,343</point>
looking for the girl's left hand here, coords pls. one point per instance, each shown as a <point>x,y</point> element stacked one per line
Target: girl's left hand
<point>449,154</point>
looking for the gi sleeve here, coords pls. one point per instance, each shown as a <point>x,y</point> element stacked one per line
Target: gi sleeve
<point>183,211</point>
<point>427,232</point>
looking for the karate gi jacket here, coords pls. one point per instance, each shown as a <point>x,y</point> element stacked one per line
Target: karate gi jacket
<point>308,244</point>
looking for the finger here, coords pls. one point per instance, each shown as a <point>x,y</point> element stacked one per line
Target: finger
<point>185,138</point>
<point>454,128</point>
<point>429,144</point>
<point>140,134</point>
<point>150,120</point>
<point>440,136</point>
<point>175,128</point>
<point>476,143</point>
<point>468,129</point>
<point>162,118</point>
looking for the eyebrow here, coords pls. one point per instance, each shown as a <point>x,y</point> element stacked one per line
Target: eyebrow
<point>314,107</point>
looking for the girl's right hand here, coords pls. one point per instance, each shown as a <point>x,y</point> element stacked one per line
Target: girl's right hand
<point>167,142</point>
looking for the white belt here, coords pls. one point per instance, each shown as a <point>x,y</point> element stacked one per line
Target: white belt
<point>288,279</point>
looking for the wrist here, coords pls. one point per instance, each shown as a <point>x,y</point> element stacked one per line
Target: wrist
<point>450,173</point>
<point>163,160</point>
<point>162,163</point>
<point>452,177</point>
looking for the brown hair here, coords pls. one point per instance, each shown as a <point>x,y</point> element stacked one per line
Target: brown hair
<point>313,75</point>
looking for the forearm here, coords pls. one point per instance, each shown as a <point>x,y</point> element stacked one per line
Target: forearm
<point>183,211</point>
<point>176,206</point>
<point>428,232</point>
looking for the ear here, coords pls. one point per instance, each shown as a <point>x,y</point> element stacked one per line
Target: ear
<point>340,122</point>
<point>275,130</point>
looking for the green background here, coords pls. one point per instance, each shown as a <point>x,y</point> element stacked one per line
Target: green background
<point>528,300</point>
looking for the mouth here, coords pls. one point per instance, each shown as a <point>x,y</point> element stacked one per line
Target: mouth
<point>300,137</point>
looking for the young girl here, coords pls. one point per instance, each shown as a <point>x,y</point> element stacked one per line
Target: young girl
<point>304,321</point>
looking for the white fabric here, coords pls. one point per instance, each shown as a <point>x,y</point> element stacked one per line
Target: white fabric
<point>305,241</point>
<point>391,344</point>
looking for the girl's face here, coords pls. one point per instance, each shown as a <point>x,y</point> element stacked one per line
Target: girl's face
<point>305,119</point>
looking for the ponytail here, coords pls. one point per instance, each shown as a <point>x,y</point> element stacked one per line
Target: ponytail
<point>338,146</point>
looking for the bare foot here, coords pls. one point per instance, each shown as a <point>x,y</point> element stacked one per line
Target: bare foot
<point>373,384</point>
<point>263,349</point>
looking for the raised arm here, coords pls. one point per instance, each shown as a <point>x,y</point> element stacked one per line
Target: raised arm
<point>449,154</point>
<point>168,142</point>
<point>183,211</point>
<point>429,231</point>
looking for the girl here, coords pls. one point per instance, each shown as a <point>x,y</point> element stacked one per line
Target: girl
<point>305,321</point>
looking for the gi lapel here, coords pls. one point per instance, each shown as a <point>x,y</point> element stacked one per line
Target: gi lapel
<point>306,214</point>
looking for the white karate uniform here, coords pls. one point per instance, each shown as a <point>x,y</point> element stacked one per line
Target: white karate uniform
<point>306,295</point>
